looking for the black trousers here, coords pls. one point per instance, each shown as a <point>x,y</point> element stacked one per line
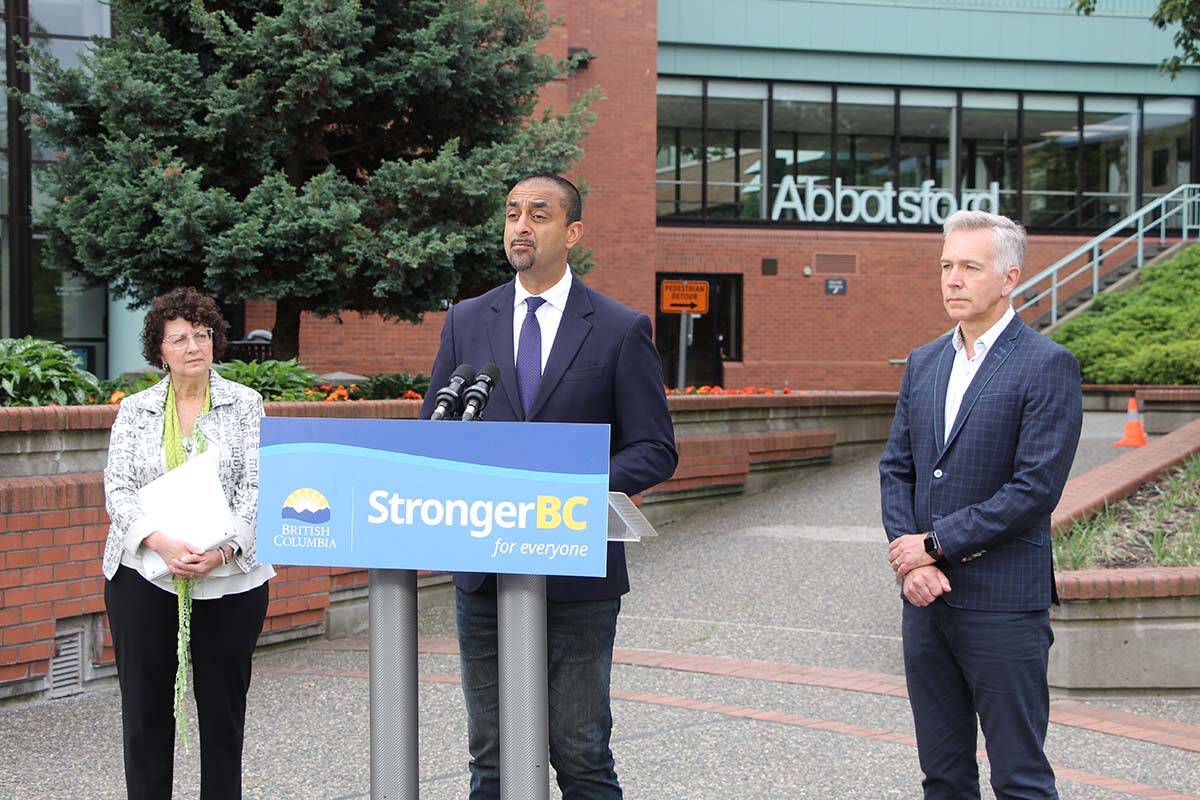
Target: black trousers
<point>961,663</point>
<point>145,621</point>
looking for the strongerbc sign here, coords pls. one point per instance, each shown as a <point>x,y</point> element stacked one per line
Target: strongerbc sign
<point>683,297</point>
<point>509,497</point>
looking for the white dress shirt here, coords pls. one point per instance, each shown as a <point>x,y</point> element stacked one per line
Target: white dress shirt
<point>965,367</point>
<point>549,314</point>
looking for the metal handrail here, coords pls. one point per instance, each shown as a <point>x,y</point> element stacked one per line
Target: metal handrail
<point>1183,202</point>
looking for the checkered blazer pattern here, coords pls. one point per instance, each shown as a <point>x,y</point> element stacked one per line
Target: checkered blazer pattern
<point>989,491</point>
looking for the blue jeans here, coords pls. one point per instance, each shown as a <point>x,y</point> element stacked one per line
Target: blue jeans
<point>579,647</point>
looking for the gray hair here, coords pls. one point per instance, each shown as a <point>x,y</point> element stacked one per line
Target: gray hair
<point>1008,237</point>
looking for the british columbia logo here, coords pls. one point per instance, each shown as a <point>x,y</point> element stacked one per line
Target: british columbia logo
<point>310,513</point>
<point>306,505</point>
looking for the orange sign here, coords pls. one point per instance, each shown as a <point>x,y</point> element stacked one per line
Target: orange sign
<point>683,297</point>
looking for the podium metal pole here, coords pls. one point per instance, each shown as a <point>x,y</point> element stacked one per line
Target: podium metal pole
<point>395,771</point>
<point>524,721</point>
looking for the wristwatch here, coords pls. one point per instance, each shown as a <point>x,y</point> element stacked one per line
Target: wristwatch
<point>931,546</point>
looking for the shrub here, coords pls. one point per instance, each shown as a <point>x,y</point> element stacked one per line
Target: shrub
<point>1149,334</point>
<point>35,372</point>
<point>274,380</point>
<point>114,389</point>
<point>390,385</point>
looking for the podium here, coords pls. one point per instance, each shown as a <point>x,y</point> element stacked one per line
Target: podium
<point>395,496</point>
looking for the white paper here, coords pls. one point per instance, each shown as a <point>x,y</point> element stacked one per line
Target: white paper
<point>188,504</point>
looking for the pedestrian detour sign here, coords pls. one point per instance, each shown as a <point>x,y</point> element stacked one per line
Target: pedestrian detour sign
<point>683,297</point>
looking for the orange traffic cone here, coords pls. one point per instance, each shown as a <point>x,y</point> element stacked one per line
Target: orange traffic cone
<point>1135,434</point>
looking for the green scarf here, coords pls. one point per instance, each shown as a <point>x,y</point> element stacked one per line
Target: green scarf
<point>173,444</point>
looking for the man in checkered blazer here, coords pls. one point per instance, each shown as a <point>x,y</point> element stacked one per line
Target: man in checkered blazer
<point>986,427</point>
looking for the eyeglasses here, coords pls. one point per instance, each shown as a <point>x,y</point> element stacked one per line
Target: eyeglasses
<point>179,341</point>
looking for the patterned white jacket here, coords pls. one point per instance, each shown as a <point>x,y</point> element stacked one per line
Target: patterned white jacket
<point>135,458</point>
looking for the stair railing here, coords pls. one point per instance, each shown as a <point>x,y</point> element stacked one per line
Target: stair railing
<point>1178,210</point>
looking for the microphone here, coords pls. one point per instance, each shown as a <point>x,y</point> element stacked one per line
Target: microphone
<point>450,397</point>
<point>477,394</point>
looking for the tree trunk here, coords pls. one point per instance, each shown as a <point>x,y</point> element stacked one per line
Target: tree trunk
<point>285,336</point>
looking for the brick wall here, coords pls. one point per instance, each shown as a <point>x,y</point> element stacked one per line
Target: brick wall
<point>794,331</point>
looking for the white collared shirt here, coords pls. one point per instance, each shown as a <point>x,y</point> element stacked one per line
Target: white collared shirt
<point>549,314</point>
<point>965,368</point>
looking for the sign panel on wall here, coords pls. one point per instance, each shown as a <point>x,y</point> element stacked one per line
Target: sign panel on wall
<point>928,205</point>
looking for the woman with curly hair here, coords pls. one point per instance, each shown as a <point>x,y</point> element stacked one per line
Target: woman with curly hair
<point>220,594</point>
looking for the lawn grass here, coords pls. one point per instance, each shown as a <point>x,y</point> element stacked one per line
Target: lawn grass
<point>1156,526</point>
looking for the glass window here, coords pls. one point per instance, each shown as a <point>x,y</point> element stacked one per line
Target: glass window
<point>927,138</point>
<point>677,168</point>
<point>67,310</point>
<point>734,148</point>
<point>69,17</point>
<point>990,147</point>
<point>865,127</point>
<point>1110,126</point>
<point>1166,145</point>
<point>1051,151</point>
<point>66,51</point>
<point>802,118</point>
<point>5,281</point>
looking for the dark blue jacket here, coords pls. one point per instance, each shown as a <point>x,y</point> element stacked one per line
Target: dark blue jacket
<point>989,491</point>
<point>603,368</point>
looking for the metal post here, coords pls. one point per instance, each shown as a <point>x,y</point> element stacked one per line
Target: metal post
<point>1141,256</point>
<point>393,616</point>
<point>681,376</point>
<point>1095,270</point>
<point>524,723</point>
<point>1054,298</point>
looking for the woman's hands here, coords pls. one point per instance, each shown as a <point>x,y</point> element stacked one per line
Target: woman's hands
<point>181,558</point>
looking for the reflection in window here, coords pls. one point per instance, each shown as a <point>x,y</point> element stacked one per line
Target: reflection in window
<point>990,146</point>
<point>865,136</point>
<point>802,118</point>
<point>734,149</point>
<point>927,137</point>
<point>69,17</point>
<point>1051,150</point>
<point>677,169</point>
<point>1166,145</point>
<point>66,51</point>
<point>1110,126</point>
<point>66,309</point>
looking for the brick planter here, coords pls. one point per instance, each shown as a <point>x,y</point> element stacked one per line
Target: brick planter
<point>1165,409</point>
<point>1127,629</point>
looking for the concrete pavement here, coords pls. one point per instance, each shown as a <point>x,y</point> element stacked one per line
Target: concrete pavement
<point>758,657</point>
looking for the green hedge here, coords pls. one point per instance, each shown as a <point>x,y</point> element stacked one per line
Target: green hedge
<point>1149,334</point>
<point>36,372</point>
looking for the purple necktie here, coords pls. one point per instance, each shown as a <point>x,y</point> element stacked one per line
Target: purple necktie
<point>529,354</point>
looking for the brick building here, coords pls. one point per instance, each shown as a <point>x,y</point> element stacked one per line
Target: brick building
<point>798,156</point>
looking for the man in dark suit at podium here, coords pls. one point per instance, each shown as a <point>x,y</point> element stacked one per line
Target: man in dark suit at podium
<point>566,353</point>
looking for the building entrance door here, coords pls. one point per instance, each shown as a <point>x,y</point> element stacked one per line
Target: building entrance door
<point>716,336</point>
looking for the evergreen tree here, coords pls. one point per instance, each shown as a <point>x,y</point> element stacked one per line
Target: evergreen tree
<point>328,155</point>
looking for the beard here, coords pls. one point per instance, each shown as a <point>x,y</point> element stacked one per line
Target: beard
<point>521,261</point>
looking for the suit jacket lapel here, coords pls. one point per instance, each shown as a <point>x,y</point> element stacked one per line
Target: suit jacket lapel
<point>572,330</point>
<point>1000,352</point>
<point>500,335</point>
<point>941,380</point>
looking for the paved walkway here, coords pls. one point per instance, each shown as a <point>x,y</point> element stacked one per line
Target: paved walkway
<point>758,657</point>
